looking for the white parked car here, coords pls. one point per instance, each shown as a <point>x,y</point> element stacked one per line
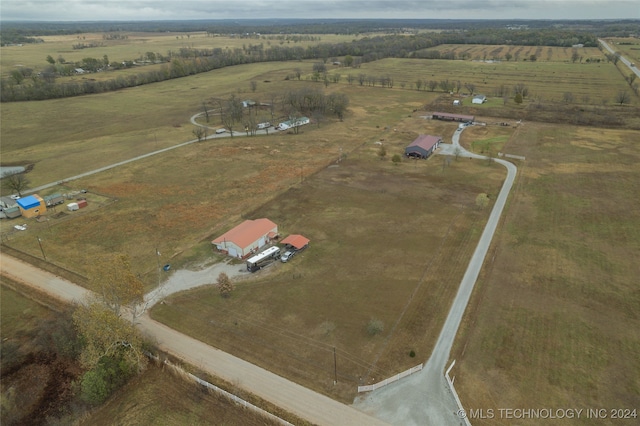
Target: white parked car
<point>287,256</point>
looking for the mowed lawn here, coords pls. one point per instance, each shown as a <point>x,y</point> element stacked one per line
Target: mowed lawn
<point>388,243</point>
<point>554,318</point>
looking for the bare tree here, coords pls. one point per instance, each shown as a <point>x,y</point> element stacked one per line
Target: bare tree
<point>253,85</point>
<point>622,97</point>
<point>15,182</point>
<point>567,97</point>
<point>432,84</point>
<point>470,87</point>
<point>231,112</point>
<point>200,133</point>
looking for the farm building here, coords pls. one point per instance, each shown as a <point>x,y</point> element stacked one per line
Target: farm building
<point>423,146</point>
<point>479,99</point>
<point>452,117</point>
<point>7,202</point>
<point>246,238</point>
<point>296,122</point>
<point>32,206</point>
<point>53,199</point>
<point>11,212</point>
<point>296,241</point>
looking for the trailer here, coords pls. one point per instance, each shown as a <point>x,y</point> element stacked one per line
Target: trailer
<point>263,259</point>
<point>53,200</point>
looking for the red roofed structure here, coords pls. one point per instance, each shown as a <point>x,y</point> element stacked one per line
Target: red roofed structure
<point>246,238</point>
<point>423,146</point>
<point>297,241</point>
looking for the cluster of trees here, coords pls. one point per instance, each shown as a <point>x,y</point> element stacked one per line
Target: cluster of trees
<point>189,61</point>
<point>313,102</point>
<point>112,349</point>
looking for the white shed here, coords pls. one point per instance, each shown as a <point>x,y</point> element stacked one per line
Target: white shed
<point>479,99</point>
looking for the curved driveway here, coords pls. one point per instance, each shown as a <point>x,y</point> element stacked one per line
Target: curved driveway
<point>424,398</point>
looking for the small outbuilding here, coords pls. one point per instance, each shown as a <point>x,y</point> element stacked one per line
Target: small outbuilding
<point>456,102</point>
<point>246,238</point>
<point>32,206</point>
<point>12,212</point>
<point>423,146</point>
<point>479,99</point>
<point>53,199</point>
<point>296,241</point>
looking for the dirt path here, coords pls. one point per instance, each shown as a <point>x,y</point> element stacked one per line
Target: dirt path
<point>292,397</point>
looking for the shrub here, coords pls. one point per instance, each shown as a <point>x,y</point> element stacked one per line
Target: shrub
<point>396,158</point>
<point>375,326</point>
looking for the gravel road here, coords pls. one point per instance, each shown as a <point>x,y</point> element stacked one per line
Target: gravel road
<point>424,398</point>
<point>292,397</point>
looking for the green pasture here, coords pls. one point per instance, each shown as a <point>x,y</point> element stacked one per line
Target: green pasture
<point>593,83</point>
<point>554,318</point>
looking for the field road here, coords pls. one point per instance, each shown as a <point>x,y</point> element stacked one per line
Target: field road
<point>139,157</point>
<point>622,58</point>
<point>290,396</point>
<point>424,398</point>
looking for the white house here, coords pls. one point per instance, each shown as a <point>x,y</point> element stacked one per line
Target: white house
<point>479,99</point>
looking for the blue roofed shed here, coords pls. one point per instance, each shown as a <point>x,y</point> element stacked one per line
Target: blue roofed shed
<point>32,206</point>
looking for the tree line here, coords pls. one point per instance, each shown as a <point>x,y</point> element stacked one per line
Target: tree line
<point>189,61</point>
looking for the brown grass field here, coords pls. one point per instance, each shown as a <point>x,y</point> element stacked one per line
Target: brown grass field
<point>552,320</point>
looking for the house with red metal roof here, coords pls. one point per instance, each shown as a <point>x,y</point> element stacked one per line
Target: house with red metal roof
<point>247,238</point>
<point>423,146</point>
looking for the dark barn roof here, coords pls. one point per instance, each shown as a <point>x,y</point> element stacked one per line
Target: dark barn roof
<point>423,145</point>
<point>452,117</point>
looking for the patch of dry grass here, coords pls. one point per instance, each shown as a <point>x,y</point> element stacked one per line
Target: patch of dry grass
<point>554,319</point>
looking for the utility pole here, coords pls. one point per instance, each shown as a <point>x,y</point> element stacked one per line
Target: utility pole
<point>158,261</point>
<point>41,249</point>
<point>335,367</point>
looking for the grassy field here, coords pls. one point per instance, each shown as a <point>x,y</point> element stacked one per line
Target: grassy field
<point>388,243</point>
<point>628,47</point>
<point>554,319</point>
<point>133,47</point>
<point>479,52</point>
<point>590,84</point>
<point>160,396</point>
<point>395,236</point>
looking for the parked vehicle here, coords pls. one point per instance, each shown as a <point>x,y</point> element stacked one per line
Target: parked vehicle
<point>287,256</point>
<point>263,259</point>
<point>220,131</point>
